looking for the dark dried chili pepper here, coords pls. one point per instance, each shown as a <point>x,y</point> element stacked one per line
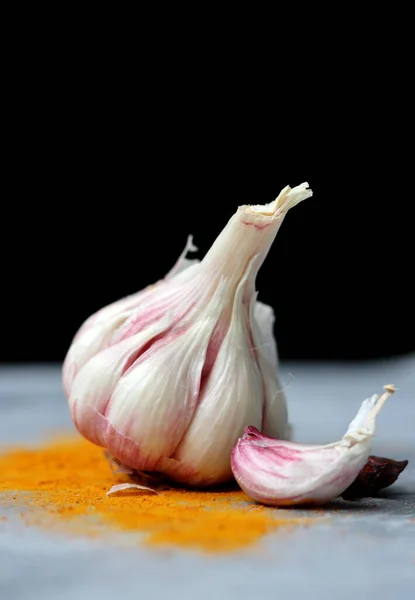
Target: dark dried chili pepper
<point>377,474</point>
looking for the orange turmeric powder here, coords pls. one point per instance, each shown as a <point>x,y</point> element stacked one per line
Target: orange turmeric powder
<point>63,485</point>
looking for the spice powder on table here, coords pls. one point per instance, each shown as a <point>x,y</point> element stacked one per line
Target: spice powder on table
<point>63,485</point>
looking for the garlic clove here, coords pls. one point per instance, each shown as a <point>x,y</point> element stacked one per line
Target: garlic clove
<point>230,398</point>
<point>95,383</point>
<point>286,473</point>
<point>85,346</point>
<point>155,400</point>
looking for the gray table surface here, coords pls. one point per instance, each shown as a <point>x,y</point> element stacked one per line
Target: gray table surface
<point>365,551</point>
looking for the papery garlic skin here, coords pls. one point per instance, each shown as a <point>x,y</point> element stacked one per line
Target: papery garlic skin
<point>167,378</point>
<point>274,413</point>
<point>223,406</point>
<point>279,473</point>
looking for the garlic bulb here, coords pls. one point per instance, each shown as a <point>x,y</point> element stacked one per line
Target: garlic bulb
<point>166,379</point>
<point>282,473</point>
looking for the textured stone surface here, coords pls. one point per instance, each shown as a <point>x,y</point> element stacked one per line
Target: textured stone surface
<point>366,549</point>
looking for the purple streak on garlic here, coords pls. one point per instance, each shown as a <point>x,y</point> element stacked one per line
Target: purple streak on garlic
<point>279,473</point>
<point>167,378</point>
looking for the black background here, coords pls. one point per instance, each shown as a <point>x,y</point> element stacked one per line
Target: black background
<point>338,275</point>
<point>108,170</point>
